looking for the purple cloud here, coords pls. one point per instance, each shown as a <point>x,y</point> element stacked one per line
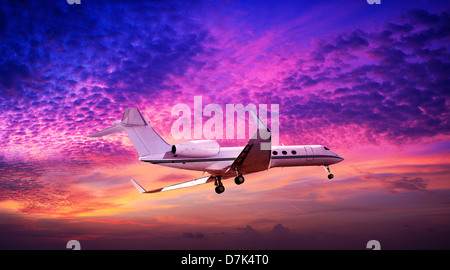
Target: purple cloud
<point>391,81</point>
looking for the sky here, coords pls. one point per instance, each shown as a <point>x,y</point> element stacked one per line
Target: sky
<point>368,81</point>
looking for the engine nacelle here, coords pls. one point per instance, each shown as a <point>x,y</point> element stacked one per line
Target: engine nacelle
<point>196,149</point>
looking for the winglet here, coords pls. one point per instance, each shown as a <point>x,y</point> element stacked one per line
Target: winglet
<point>138,187</point>
<point>258,122</point>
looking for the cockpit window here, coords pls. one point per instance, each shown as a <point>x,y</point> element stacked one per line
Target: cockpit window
<point>326,148</point>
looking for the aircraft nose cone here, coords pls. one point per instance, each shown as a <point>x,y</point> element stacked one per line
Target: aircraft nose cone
<point>341,158</point>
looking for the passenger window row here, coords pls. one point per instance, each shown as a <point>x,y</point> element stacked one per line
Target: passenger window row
<point>284,152</point>
<point>292,152</point>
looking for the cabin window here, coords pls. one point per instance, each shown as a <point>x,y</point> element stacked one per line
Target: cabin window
<point>284,152</point>
<point>275,153</point>
<point>326,148</point>
<point>294,152</point>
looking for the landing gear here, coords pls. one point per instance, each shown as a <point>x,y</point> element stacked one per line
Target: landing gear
<point>330,175</point>
<point>239,179</point>
<point>220,189</point>
<point>219,186</point>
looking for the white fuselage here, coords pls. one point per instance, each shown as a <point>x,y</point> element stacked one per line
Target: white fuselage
<point>281,156</point>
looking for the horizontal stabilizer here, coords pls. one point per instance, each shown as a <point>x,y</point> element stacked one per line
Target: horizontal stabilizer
<point>108,131</point>
<point>191,183</point>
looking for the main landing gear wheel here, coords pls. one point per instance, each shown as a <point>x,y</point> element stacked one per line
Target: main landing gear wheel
<point>330,176</point>
<point>239,179</point>
<point>220,189</point>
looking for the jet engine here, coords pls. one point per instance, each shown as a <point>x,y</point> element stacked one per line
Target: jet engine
<point>197,149</point>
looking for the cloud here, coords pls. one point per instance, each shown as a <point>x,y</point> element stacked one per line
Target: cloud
<point>77,66</point>
<point>62,83</point>
<point>395,183</point>
<point>197,235</point>
<point>28,185</point>
<point>389,81</point>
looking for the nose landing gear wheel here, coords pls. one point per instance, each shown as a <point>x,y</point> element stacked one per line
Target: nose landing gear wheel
<point>239,179</point>
<point>220,189</point>
<point>330,175</point>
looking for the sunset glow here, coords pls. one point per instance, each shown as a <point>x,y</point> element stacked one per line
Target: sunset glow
<point>371,82</point>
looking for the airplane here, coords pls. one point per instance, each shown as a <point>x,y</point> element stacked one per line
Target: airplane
<point>208,156</point>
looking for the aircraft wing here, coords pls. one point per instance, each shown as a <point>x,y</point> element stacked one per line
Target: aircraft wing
<point>191,183</point>
<point>256,154</point>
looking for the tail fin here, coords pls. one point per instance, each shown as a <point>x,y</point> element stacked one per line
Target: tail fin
<point>142,135</point>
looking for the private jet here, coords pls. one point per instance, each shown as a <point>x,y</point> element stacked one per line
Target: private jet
<point>208,156</point>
